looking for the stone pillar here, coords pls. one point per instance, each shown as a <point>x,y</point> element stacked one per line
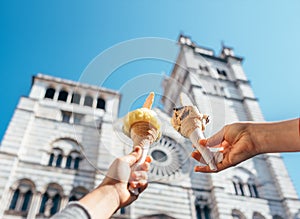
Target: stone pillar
<point>69,98</point>
<point>35,204</point>
<point>63,162</point>
<point>64,202</point>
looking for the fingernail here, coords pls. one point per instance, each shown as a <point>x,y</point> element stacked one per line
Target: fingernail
<point>203,142</point>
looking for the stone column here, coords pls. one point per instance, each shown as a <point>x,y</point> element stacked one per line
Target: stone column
<point>35,204</point>
<point>64,202</point>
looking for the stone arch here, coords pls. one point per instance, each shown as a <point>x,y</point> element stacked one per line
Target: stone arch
<point>77,193</point>
<point>20,196</point>
<point>51,199</point>
<point>257,215</point>
<point>101,103</point>
<point>237,214</point>
<point>50,92</point>
<point>63,95</point>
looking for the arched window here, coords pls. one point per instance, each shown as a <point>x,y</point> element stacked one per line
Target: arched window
<point>51,200</point>
<point>69,162</point>
<point>252,188</point>
<point>55,158</point>
<point>123,210</point>
<point>73,160</point>
<point>50,93</point>
<point>236,214</point>
<point>51,159</point>
<point>65,153</point>
<point>59,160</point>
<point>77,193</point>
<point>241,185</point>
<point>88,101</point>
<point>75,98</point>
<point>55,204</point>
<point>238,186</point>
<point>257,215</point>
<point>202,211</point>
<point>14,200</point>
<point>27,198</point>
<point>76,163</point>
<point>21,197</point>
<point>63,95</point>
<point>100,103</point>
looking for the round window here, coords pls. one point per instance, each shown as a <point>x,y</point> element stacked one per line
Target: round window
<point>159,155</point>
<point>169,159</point>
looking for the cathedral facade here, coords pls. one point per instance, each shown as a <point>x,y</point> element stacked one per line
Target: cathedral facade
<point>62,138</point>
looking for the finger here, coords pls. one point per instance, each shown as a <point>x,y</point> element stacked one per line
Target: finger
<point>203,169</point>
<point>144,167</point>
<point>139,175</point>
<point>138,183</point>
<point>143,187</point>
<point>133,156</point>
<point>196,155</point>
<point>203,142</point>
<point>149,159</point>
<point>206,169</point>
<point>216,139</point>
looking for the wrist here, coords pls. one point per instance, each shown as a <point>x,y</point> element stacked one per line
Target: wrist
<point>102,201</point>
<point>258,136</point>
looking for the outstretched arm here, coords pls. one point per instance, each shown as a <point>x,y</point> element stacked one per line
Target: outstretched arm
<point>244,140</point>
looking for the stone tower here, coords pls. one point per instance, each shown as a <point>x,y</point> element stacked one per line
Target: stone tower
<point>257,188</point>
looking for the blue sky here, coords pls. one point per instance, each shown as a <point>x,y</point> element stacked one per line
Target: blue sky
<point>61,38</point>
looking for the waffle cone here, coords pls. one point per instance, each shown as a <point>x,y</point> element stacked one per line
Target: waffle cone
<point>189,125</point>
<point>142,133</point>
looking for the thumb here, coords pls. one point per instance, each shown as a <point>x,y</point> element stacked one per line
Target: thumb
<point>134,156</point>
<point>216,139</point>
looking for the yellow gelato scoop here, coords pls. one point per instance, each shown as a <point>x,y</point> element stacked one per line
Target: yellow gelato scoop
<point>142,115</point>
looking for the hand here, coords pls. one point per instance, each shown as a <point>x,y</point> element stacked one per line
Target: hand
<point>237,143</point>
<point>113,192</point>
<point>120,176</point>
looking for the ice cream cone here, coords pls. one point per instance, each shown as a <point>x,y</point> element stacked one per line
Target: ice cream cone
<point>143,128</point>
<point>190,123</point>
<point>143,133</point>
